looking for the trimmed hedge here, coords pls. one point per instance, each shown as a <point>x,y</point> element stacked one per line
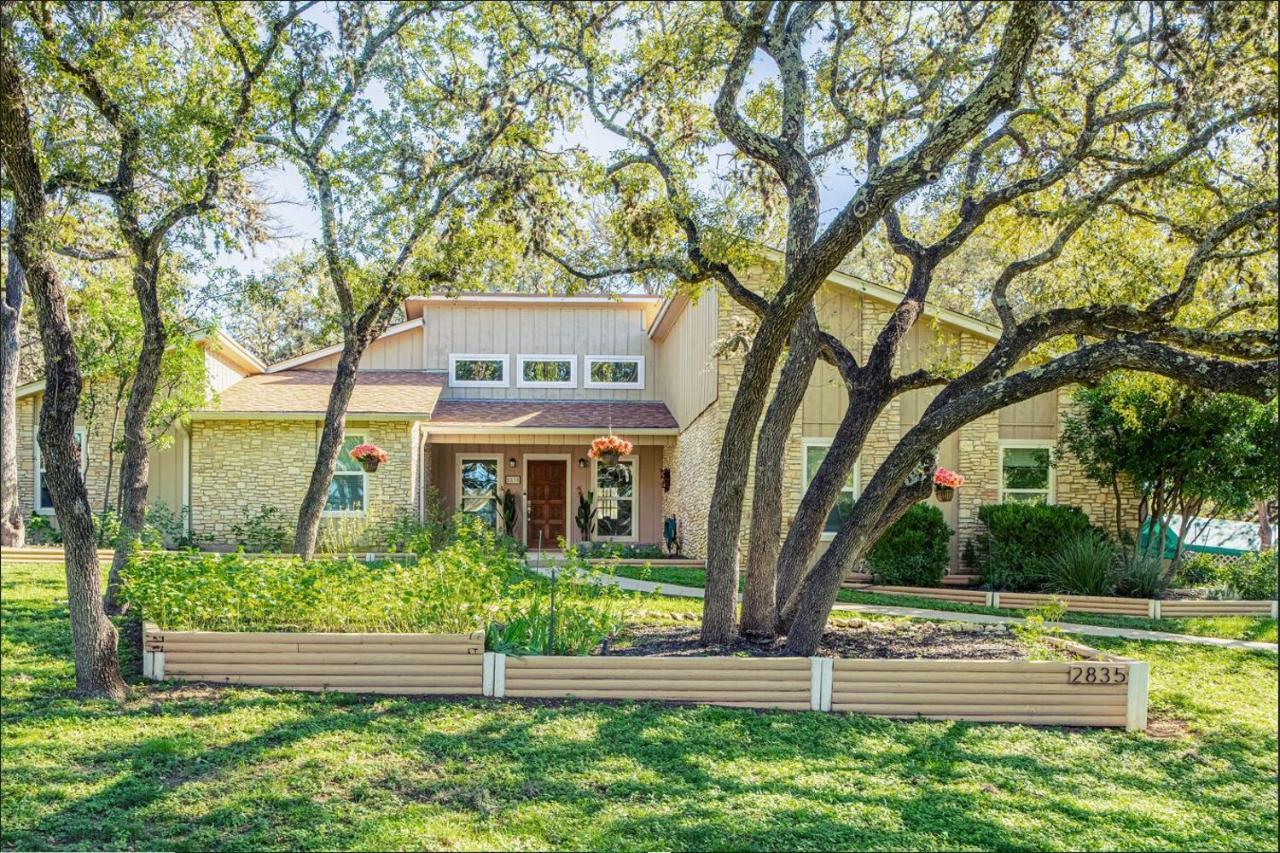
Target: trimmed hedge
<point>1012,552</point>
<point>913,552</point>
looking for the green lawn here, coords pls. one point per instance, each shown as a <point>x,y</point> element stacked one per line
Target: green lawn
<point>1226,627</point>
<point>182,767</point>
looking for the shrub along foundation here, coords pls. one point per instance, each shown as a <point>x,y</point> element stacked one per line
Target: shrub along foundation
<point>1094,689</point>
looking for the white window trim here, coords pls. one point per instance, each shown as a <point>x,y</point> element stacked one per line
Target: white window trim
<point>1044,443</point>
<point>638,385</point>
<point>635,499</point>
<point>804,475</point>
<point>39,470</point>
<point>504,382</point>
<point>569,526</point>
<point>457,482</point>
<point>521,382</point>
<point>364,486</point>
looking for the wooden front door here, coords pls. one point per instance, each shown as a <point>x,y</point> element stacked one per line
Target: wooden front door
<point>548,502</point>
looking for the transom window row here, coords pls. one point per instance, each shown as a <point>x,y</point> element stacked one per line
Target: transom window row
<point>492,370</point>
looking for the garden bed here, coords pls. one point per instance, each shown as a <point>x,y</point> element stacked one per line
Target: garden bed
<point>925,640</point>
<point>996,683</point>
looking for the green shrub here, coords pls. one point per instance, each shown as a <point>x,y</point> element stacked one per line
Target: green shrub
<point>913,552</point>
<point>1196,569</point>
<point>586,612</point>
<point>1141,576</point>
<point>1083,566</point>
<point>632,551</point>
<point>264,532</point>
<point>1252,576</point>
<point>1012,551</point>
<point>40,530</point>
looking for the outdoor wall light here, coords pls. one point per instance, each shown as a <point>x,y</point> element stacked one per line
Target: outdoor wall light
<point>582,463</point>
<point>511,463</point>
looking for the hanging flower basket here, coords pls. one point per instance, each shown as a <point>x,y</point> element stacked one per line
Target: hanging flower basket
<point>609,448</point>
<point>369,456</point>
<point>945,483</point>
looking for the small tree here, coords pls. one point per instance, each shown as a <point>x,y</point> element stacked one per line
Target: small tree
<point>1186,450</point>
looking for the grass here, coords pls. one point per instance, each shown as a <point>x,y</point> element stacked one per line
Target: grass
<point>1260,629</point>
<point>184,766</point>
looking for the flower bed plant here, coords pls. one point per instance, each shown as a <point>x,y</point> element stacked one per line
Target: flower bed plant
<point>471,582</point>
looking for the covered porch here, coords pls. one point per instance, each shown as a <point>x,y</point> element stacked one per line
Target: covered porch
<point>534,457</point>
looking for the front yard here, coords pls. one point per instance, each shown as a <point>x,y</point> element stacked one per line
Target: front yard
<point>188,766</point>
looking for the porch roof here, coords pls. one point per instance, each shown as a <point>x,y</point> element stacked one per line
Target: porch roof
<point>377,392</point>
<point>586,415</point>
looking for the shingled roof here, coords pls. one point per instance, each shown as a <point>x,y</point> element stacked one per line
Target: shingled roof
<point>400,392</point>
<point>522,414</point>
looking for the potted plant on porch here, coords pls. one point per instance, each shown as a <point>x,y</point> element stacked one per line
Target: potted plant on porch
<point>369,456</point>
<point>945,483</point>
<point>609,448</point>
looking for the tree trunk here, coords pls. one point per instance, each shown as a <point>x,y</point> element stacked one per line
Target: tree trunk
<point>1264,524</point>
<point>13,531</point>
<point>92,634</point>
<point>724,520</point>
<point>759,595</point>
<point>304,541</point>
<point>134,464</point>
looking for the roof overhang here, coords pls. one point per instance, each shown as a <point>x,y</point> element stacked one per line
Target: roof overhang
<point>414,305</point>
<point>464,429</point>
<point>219,415</point>
<point>231,349</point>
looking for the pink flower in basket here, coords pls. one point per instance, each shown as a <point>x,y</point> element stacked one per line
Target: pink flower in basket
<point>609,445</point>
<point>948,479</point>
<point>368,452</point>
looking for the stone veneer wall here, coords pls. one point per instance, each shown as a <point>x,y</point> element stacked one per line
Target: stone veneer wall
<point>1074,488</point>
<point>238,467</point>
<point>693,476</point>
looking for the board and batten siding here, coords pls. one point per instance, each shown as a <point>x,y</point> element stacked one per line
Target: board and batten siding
<point>220,373</point>
<point>401,351</point>
<point>685,372</point>
<point>551,329</point>
<point>1036,418</point>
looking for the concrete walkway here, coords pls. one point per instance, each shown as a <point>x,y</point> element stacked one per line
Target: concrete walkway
<point>952,616</point>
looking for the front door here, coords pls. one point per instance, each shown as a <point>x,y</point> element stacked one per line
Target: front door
<point>548,502</point>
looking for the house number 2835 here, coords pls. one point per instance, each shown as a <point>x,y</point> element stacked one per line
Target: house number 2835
<point>1097,674</point>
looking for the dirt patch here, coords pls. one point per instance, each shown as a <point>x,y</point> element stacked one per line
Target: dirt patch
<point>1168,729</point>
<point>925,640</point>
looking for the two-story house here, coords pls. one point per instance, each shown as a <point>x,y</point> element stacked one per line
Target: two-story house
<point>479,395</point>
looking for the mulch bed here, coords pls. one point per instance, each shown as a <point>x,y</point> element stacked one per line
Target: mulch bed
<point>925,640</point>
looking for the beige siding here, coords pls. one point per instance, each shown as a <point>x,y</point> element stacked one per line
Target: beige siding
<point>1034,418</point>
<point>220,373</point>
<point>445,450</point>
<point>839,313</point>
<point>686,370</point>
<point>551,329</point>
<point>401,351</point>
<point>166,470</point>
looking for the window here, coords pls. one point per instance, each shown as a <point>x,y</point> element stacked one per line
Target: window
<point>616,499</point>
<point>615,371</point>
<point>546,371</point>
<point>44,500</point>
<point>1026,472</point>
<point>346,489</point>
<point>478,371</point>
<point>478,487</point>
<point>815,450</point>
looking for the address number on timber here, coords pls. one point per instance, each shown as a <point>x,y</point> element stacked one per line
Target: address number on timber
<point>1098,674</point>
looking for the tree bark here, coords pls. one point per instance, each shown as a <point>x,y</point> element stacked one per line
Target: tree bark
<point>134,464</point>
<point>13,531</point>
<point>759,596</point>
<point>304,541</point>
<point>93,636</point>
